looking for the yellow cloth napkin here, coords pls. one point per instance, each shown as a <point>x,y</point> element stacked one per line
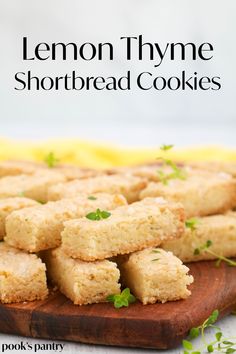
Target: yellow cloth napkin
<point>91,154</point>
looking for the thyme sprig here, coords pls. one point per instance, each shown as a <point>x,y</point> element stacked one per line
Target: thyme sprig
<point>219,344</point>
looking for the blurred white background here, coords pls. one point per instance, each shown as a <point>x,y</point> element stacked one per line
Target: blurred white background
<point>144,118</point>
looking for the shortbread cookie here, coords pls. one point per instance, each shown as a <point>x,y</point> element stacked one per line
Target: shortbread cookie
<point>75,172</point>
<point>129,186</point>
<point>18,167</point>
<point>128,229</point>
<point>39,228</point>
<point>82,282</point>
<point>154,275</point>
<point>150,172</point>
<point>8,205</point>
<point>219,229</point>
<point>33,186</point>
<point>201,194</point>
<point>22,276</point>
<point>217,166</point>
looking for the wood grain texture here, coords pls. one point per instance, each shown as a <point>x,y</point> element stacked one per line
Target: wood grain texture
<point>158,326</point>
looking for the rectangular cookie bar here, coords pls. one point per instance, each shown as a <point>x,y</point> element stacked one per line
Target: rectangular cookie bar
<point>154,275</point>
<point>18,167</point>
<point>74,172</point>
<point>127,229</point>
<point>217,166</point>
<point>219,229</point>
<point>22,276</point>
<point>8,205</point>
<point>150,172</point>
<point>39,228</point>
<point>33,186</point>
<point>82,282</point>
<point>201,194</point>
<point>129,186</point>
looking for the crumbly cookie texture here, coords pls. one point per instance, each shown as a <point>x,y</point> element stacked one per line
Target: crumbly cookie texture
<point>33,186</point>
<point>150,172</point>
<point>129,186</point>
<point>201,194</point>
<point>154,275</point>
<point>220,229</point>
<point>217,166</point>
<point>9,205</point>
<point>128,229</point>
<point>18,167</point>
<point>39,228</point>
<point>82,282</point>
<point>22,276</point>
<point>74,172</point>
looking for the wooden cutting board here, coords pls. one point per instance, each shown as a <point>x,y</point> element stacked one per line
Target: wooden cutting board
<point>152,326</point>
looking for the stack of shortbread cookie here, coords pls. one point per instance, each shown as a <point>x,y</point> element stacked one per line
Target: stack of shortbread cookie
<point>99,231</point>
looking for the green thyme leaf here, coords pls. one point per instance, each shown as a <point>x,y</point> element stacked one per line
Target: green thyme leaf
<point>209,243</point>
<point>165,147</point>
<point>194,332</point>
<point>227,342</point>
<point>111,298</point>
<point>98,215</point>
<point>176,172</point>
<point>105,214</point>
<point>192,223</point>
<point>51,160</point>
<point>123,299</point>
<point>221,344</point>
<point>212,318</point>
<point>210,348</point>
<point>187,345</point>
<point>41,202</point>
<point>163,177</point>
<point>155,251</point>
<point>218,336</point>
<point>91,197</point>
<point>92,216</point>
<point>204,247</point>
